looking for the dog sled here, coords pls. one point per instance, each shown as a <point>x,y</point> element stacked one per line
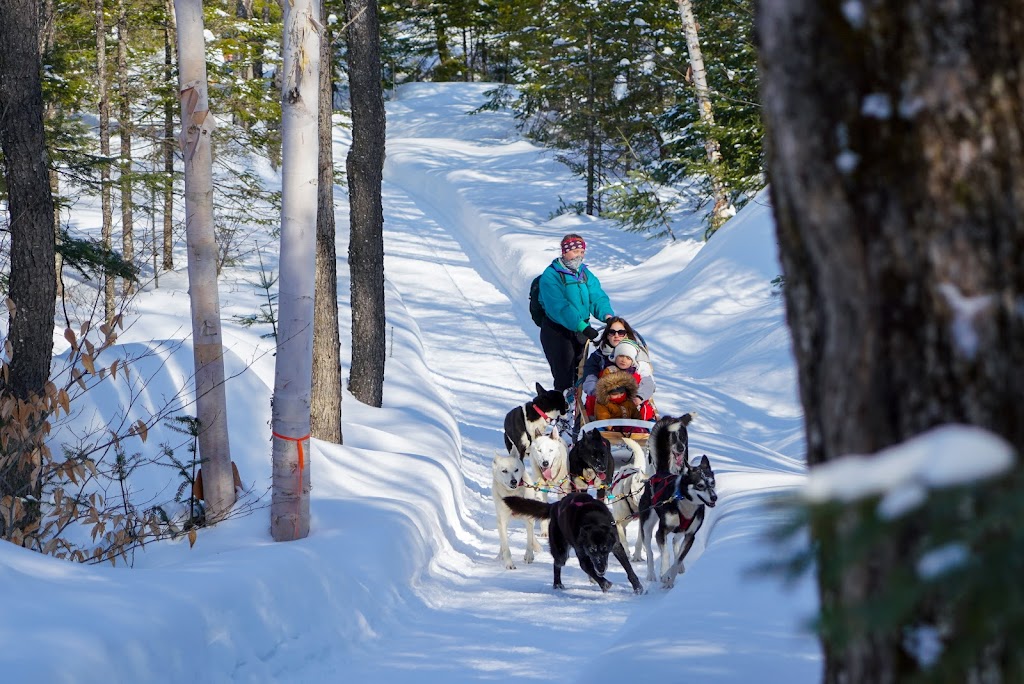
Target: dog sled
<point>615,429</point>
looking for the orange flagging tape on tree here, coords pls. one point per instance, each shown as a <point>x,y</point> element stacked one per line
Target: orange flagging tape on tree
<point>302,463</point>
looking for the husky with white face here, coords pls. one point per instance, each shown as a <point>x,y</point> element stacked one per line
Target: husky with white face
<point>675,505</point>
<point>509,474</point>
<point>549,462</point>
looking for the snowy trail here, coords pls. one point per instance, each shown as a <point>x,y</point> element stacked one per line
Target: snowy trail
<point>399,578</point>
<point>486,364</point>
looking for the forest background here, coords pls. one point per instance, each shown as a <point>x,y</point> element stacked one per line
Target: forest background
<point>613,87</point>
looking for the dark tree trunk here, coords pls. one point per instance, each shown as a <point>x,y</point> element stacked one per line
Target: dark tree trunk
<point>33,283</point>
<point>365,165</point>
<point>26,171</point>
<point>896,161</point>
<point>325,411</point>
<point>47,37</point>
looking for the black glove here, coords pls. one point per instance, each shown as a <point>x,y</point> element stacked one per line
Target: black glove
<point>590,333</point>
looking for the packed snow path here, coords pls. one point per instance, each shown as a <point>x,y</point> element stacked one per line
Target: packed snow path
<point>451,277</point>
<point>487,365</point>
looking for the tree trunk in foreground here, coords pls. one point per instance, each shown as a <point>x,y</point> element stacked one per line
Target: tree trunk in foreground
<point>208,350</point>
<point>326,410</point>
<point>33,283</point>
<point>289,505</point>
<point>365,167</point>
<point>896,161</point>
<point>33,280</point>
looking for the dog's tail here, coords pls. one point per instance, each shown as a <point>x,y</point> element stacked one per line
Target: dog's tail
<point>528,508</point>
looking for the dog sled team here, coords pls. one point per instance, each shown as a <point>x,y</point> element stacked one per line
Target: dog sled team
<point>555,449</point>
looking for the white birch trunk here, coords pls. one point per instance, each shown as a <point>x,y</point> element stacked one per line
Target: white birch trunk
<point>722,209</point>
<point>197,131</point>
<point>289,506</point>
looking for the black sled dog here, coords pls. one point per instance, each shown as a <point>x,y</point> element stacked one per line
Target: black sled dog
<point>591,464</point>
<point>523,424</point>
<point>674,498</point>
<point>580,522</point>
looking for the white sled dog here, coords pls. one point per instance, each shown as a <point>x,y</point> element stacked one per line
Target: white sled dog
<point>627,488</point>
<point>548,470</point>
<point>508,481</point>
<point>549,463</point>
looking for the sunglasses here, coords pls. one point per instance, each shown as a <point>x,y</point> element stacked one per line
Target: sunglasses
<point>613,331</point>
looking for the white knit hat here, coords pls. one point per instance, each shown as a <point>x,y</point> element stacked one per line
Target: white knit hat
<point>625,349</point>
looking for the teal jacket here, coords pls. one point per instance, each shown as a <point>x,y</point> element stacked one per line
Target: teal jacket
<point>570,299</point>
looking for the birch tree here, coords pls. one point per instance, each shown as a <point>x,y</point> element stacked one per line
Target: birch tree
<point>208,351</point>
<point>722,210</point>
<point>289,506</point>
<point>896,166</point>
<point>365,167</point>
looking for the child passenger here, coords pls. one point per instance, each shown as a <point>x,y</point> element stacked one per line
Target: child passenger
<point>625,363</point>
<point>614,397</point>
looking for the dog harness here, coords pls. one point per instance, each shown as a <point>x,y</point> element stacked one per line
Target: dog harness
<point>684,523</point>
<point>551,486</point>
<point>622,475</point>
<point>660,486</point>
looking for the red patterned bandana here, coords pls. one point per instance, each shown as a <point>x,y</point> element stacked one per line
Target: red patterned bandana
<point>570,243</point>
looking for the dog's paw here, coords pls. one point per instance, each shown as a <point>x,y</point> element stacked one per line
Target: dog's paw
<point>509,565</point>
<point>529,555</point>
<point>637,558</point>
<point>605,584</point>
<point>668,580</point>
<point>651,577</point>
<point>638,589</point>
<point>557,585</point>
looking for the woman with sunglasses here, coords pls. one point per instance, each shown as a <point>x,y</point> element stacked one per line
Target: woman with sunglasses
<point>616,330</point>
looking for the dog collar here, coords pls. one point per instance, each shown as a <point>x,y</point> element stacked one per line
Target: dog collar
<point>540,413</point>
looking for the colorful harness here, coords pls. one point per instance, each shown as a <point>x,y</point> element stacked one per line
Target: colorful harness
<point>660,486</point>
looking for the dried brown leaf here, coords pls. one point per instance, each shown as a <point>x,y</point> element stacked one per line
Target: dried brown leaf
<point>191,537</point>
<point>69,335</point>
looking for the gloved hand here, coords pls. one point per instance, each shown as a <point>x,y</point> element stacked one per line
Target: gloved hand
<point>590,333</point>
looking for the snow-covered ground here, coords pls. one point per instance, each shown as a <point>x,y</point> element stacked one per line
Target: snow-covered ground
<point>399,577</point>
